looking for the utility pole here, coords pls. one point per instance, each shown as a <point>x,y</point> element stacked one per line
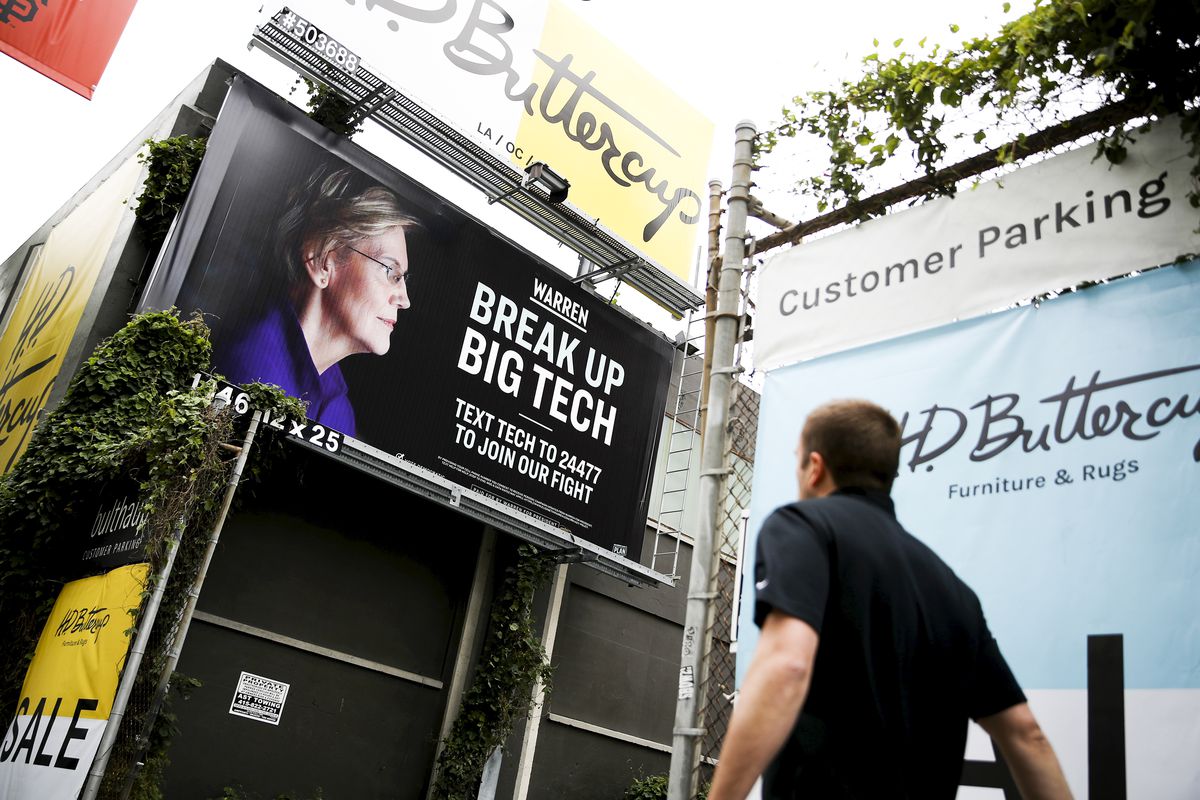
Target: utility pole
<point>693,668</point>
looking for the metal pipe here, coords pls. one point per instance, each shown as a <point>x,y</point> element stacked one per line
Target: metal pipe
<point>533,723</point>
<point>189,608</point>
<point>132,663</point>
<point>685,753</point>
<point>235,478</point>
<point>759,212</point>
<point>710,292</point>
<point>469,642</point>
<point>736,612</point>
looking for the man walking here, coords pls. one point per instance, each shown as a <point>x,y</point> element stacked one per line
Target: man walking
<point>873,654</point>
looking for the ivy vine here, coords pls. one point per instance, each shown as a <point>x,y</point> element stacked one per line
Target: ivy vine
<point>511,663</point>
<point>127,414</point>
<point>654,787</point>
<point>1145,53</point>
<point>171,165</point>
<point>329,108</point>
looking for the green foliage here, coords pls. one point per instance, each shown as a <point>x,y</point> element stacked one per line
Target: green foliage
<point>123,406</point>
<point>172,163</point>
<point>330,109</point>
<point>269,449</point>
<point>127,414</point>
<point>1146,52</point>
<point>239,793</point>
<point>511,663</point>
<point>654,787</point>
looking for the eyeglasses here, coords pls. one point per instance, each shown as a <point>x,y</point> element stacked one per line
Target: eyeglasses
<point>394,275</point>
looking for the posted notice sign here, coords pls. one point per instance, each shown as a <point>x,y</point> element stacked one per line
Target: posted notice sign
<point>259,698</point>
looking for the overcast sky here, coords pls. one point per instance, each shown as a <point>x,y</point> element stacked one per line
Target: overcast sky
<point>731,60</point>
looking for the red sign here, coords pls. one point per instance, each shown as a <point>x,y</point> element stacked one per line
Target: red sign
<point>69,41</point>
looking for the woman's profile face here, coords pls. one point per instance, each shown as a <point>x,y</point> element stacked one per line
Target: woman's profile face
<point>366,291</point>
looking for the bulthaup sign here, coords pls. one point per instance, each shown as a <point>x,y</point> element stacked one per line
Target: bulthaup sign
<point>1066,220</point>
<point>412,327</point>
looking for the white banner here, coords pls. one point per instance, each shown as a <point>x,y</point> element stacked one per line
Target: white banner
<point>530,80</point>
<point>1063,221</point>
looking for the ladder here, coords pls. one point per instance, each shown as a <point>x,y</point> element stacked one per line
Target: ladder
<point>683,445</point>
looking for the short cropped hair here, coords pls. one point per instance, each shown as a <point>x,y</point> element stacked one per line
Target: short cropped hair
<point>335,207</point>
<point>859,441</point>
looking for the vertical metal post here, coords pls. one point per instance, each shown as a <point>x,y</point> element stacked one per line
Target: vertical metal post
<point>736,612</point>
<point>474,627</point>
<point>189,609</point>
<point>685,753</point>
<point>533,723</point>
<point>710,292</point>
<point>132,663</point>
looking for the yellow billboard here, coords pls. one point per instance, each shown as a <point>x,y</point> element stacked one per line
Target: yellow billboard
<point>531,81</point>
<point>47,748</point>
<point>43,322</point>
<point>634,151</point>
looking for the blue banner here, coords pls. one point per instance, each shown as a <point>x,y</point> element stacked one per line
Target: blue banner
<point>1052,457</point>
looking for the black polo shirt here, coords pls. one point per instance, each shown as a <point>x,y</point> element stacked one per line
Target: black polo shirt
<point>905,656</point>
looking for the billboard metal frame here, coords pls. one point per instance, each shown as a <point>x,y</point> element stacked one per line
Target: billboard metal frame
<point>562,546</point>
<point>422,129</point>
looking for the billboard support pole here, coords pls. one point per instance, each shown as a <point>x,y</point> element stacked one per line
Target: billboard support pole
<point>712,278</point>
<point>132,664</point>
<point>693,668</point>
<point>189,608</point>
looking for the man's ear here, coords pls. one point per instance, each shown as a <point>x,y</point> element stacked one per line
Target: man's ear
<point>818,471</point>
<point>318,263</point>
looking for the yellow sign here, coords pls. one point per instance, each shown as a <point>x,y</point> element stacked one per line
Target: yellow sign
<point>48,310</point>
<point>49,745</point>
<point>634,152</point>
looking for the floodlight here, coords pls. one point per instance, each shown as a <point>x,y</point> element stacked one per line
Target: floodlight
<point>556,185</point>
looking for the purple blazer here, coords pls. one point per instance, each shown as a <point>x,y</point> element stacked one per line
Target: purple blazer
<point>272,349</point>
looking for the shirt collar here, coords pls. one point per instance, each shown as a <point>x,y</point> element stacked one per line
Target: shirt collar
<point>875,497</point>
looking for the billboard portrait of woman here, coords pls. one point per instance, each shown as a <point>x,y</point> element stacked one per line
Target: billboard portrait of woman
<point>341,262</point>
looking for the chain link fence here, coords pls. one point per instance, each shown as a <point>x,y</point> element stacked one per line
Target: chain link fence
<point>138,755</point>
<point>138,760</point>
<point>719,688</point>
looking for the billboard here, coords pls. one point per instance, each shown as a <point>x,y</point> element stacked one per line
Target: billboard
<point>67,42</point>
<point>410,326</point>
<point>50,305</point>
<point>48,746</point>
<point>1050,455</point>
<point>1069,219</point>
<point>529,80</point>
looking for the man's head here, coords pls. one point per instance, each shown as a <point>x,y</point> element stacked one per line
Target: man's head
<point>847,443</point>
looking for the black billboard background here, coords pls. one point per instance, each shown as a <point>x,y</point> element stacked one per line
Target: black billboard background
<point>413,400</point>
<point>114,535</point>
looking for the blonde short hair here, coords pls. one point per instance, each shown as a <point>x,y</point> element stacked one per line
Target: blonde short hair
<point>335,207</point>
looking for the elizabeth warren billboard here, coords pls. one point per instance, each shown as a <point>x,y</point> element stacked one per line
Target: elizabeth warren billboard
<point>411,326</point>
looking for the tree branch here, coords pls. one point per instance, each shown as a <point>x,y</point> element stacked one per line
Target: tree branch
<point>1045,139</point>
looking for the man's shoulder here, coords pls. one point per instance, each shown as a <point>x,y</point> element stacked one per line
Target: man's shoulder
<point>820,516</point>
<point>835,507</point>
